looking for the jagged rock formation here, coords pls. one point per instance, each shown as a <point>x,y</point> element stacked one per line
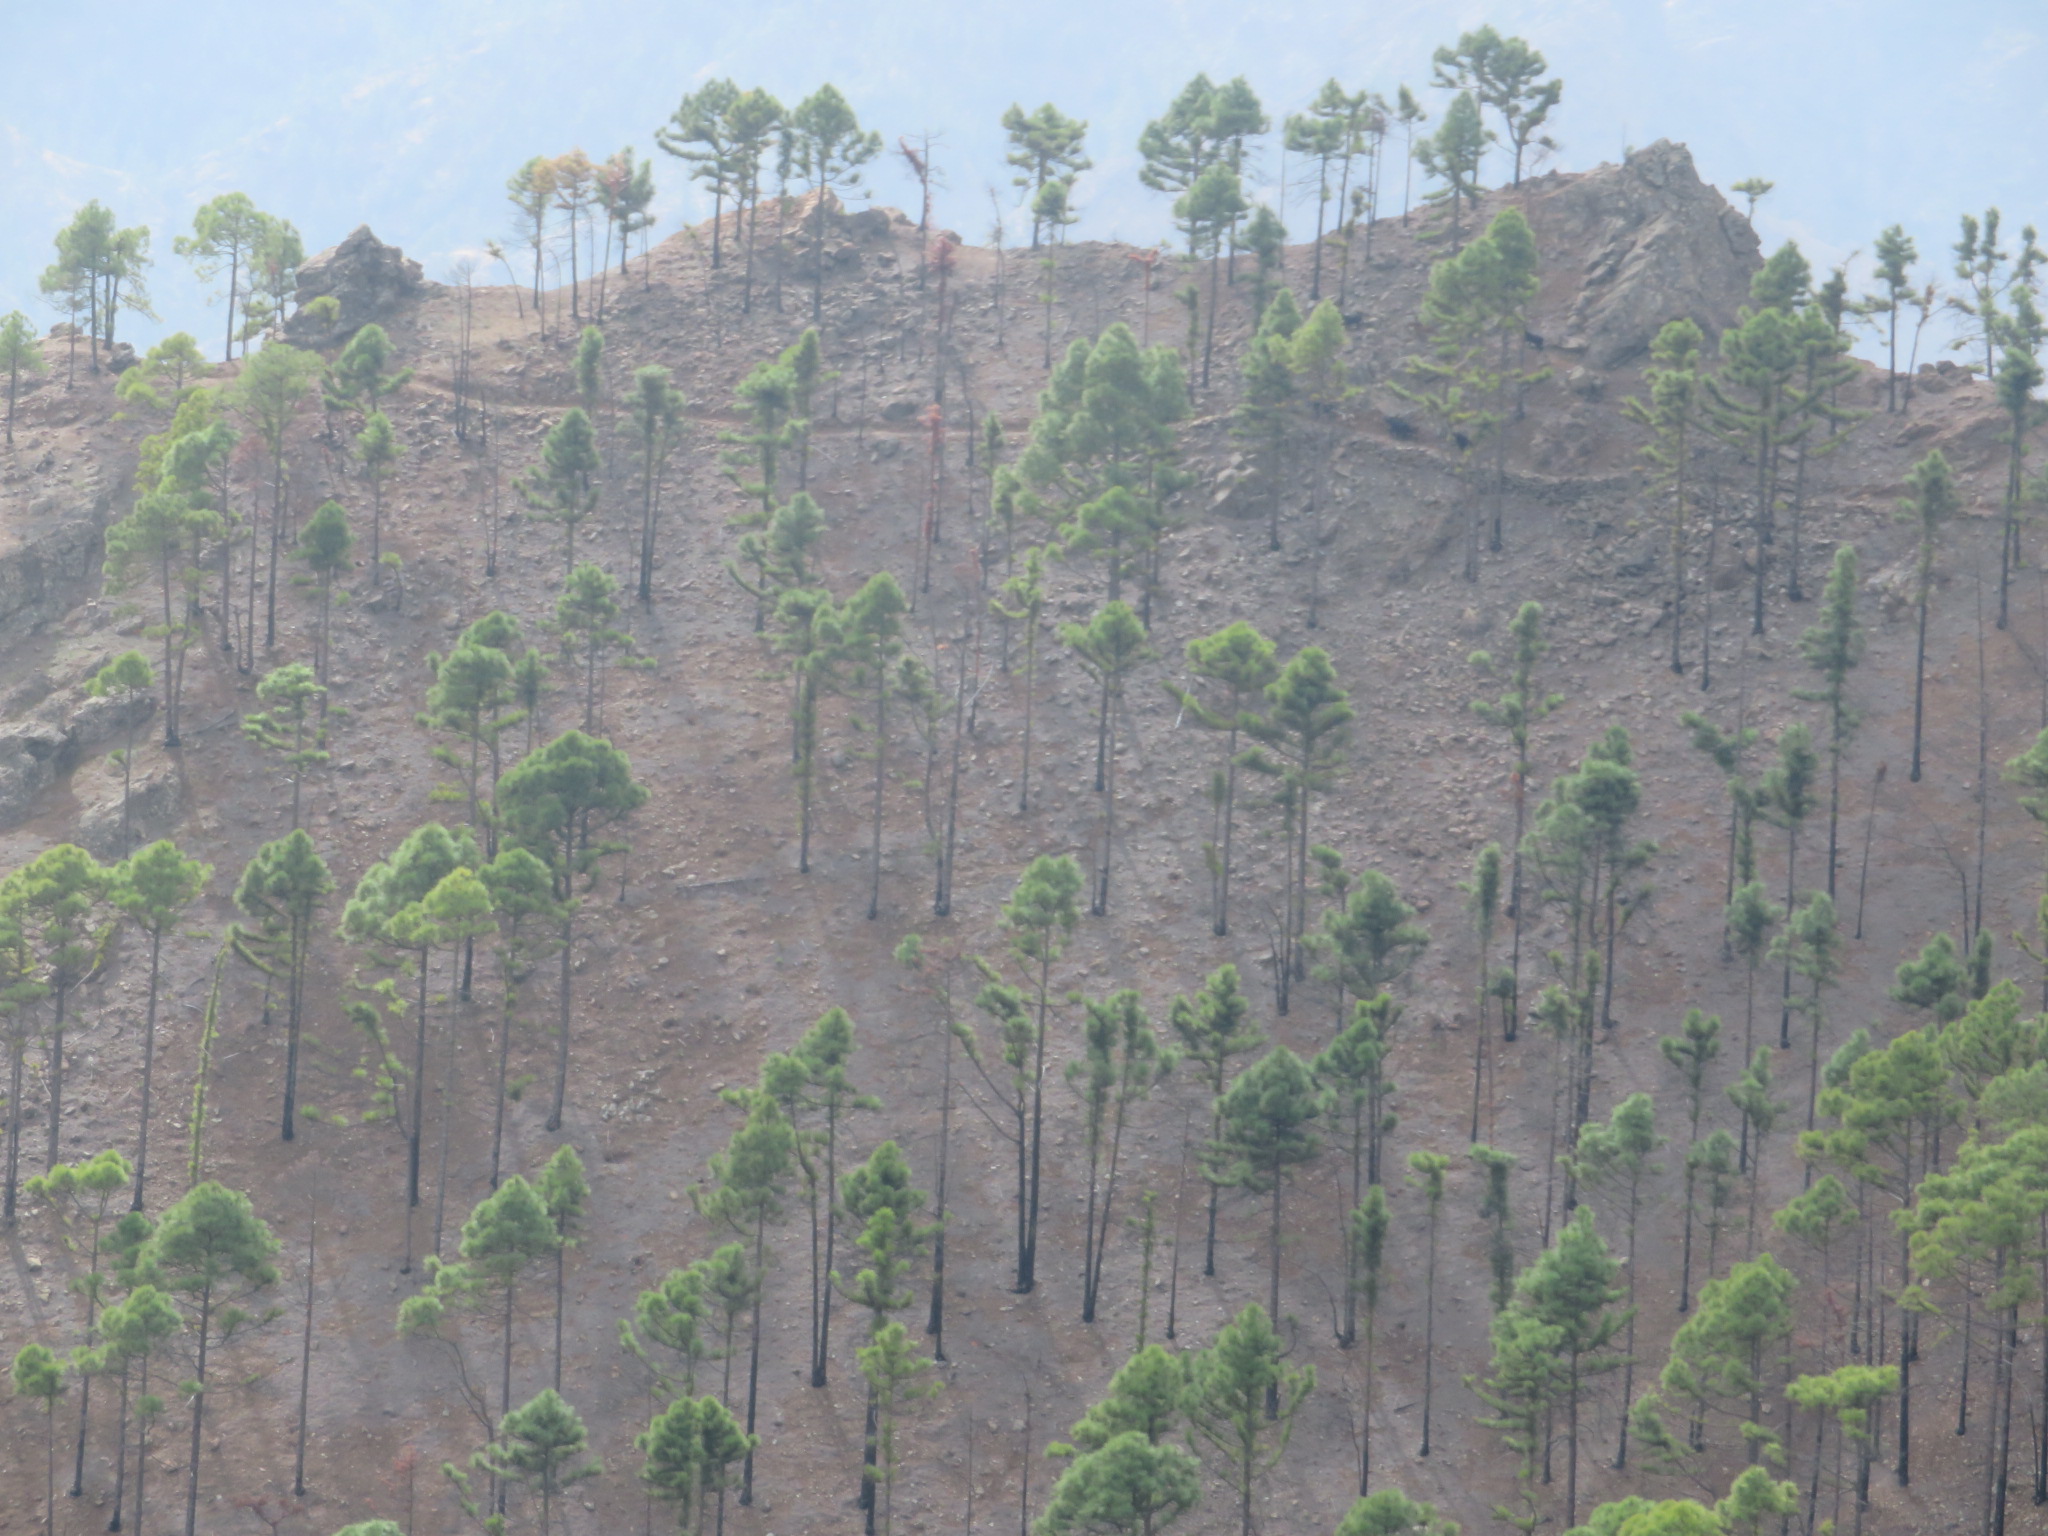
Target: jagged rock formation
<point>363,275</point>
<point>1662,243</point>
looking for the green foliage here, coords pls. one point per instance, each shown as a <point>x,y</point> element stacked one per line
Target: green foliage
<point>1503,73</point>
<point>538,1445</point>
<point>357,380</point>
<point>1391,1512</point>
<point>563,488</point>
<point>1241,1403</point>
<point>690,1447</point>
<point>1452,155</point>
<point>1129,1484</point>
<point>555,798</point>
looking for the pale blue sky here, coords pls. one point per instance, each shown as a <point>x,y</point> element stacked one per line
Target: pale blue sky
<point>409,114</point>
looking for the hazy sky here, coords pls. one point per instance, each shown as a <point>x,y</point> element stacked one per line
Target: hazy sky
<point>409,114</point>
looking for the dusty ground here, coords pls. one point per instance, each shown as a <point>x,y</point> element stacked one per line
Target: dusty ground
<point>719,951</point>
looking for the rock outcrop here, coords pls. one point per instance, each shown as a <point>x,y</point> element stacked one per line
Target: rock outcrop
<point>1663,245</point>
<point>366,279</point>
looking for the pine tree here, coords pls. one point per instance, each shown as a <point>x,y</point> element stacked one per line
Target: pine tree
<point>690,1447</point>
<point>1515,712</point>
<point>471,700</point>
<point>1426,1173</point>
<point>152,889</point>
<point>1392,1513</point>
<point>1787,800</point>
<point>538,1443</point>
<point>1931,499</point>
<point>1242,1399</point>
<point>870,648</point>
<point>268,392</point>
<point>1811,947</point>
<point>1476,316</point>
<point>1751,1096</point>
<point>1691,1052</point>
<point>1502,72</point>
<point>562,488</point>
<point>812,1082</point>
<point>1369,942</point>
<point>1121,1062</point>
<point>164,531</point>
<point>1452,156</point>
<point>325,545</point>
<point>1566,1299</point>
<point>1045,147</point>
<point>1726,1354</point>
<point>564,1192</point>
<point>19,354</point>
<point>55,908</point>
<point>1725,749</point>
<point>1108,647</point>
<point>1368,1238</point>
<point>273,279</point>
<point>1852,1393</point>
<point>129,679</point>
<point>1214,1026</point>
<point>378,447</point>
<point>213,1253</point>
<point>1352,1070</point>
<point>1038,921</point>
<point>1103,447</point>
<point>1178,146</point>
<point>506,1234</point>
<point>1240,661</point>
<point>294,694</point>
<point>585,618</point>
<point>1672,415</point>
<point>696,133</point>
<point>1977,1228</point>
<point>1266,1131</point>
<point>279,892</point>
<point>131,1331</point>
<point>656,406</point>
<point>551,804</point>
<point>1496,1210</point>
<point>1612,1159</point>
<point>1301,743</point>
<point>1482,899</point>
<point>1130,1486</point>
<point>829,150</point>
<point>1832,647</point>
<point>746,1193</point>
<point>1208,211</point>
<point>81,1194</point>
<point>1894,256</point>
<point>386,911</point>
<point>1751,917</point>
<point>39,1375</point>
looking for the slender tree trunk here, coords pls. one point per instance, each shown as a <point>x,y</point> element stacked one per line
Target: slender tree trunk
<point>754,1356</point>
<point>562,1028</point>
<point>1429,1336</point>
<point>198,1423</point>
<point>881,765</point>
<point>1920,657</point>
<point>156,941</point>
<point>305,1366</point>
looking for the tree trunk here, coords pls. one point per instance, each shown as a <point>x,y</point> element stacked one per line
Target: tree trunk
<point>156,941</point>
<point>562,1028</point>
<point>198,1421</point>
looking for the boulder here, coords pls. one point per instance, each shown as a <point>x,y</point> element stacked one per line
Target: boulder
<point>1663,245</point>
<point>366,279</point>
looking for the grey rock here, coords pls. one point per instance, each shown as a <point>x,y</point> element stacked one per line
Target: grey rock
<point>1665,245</point>
<point>364,276</point>
<point>153,808</point>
